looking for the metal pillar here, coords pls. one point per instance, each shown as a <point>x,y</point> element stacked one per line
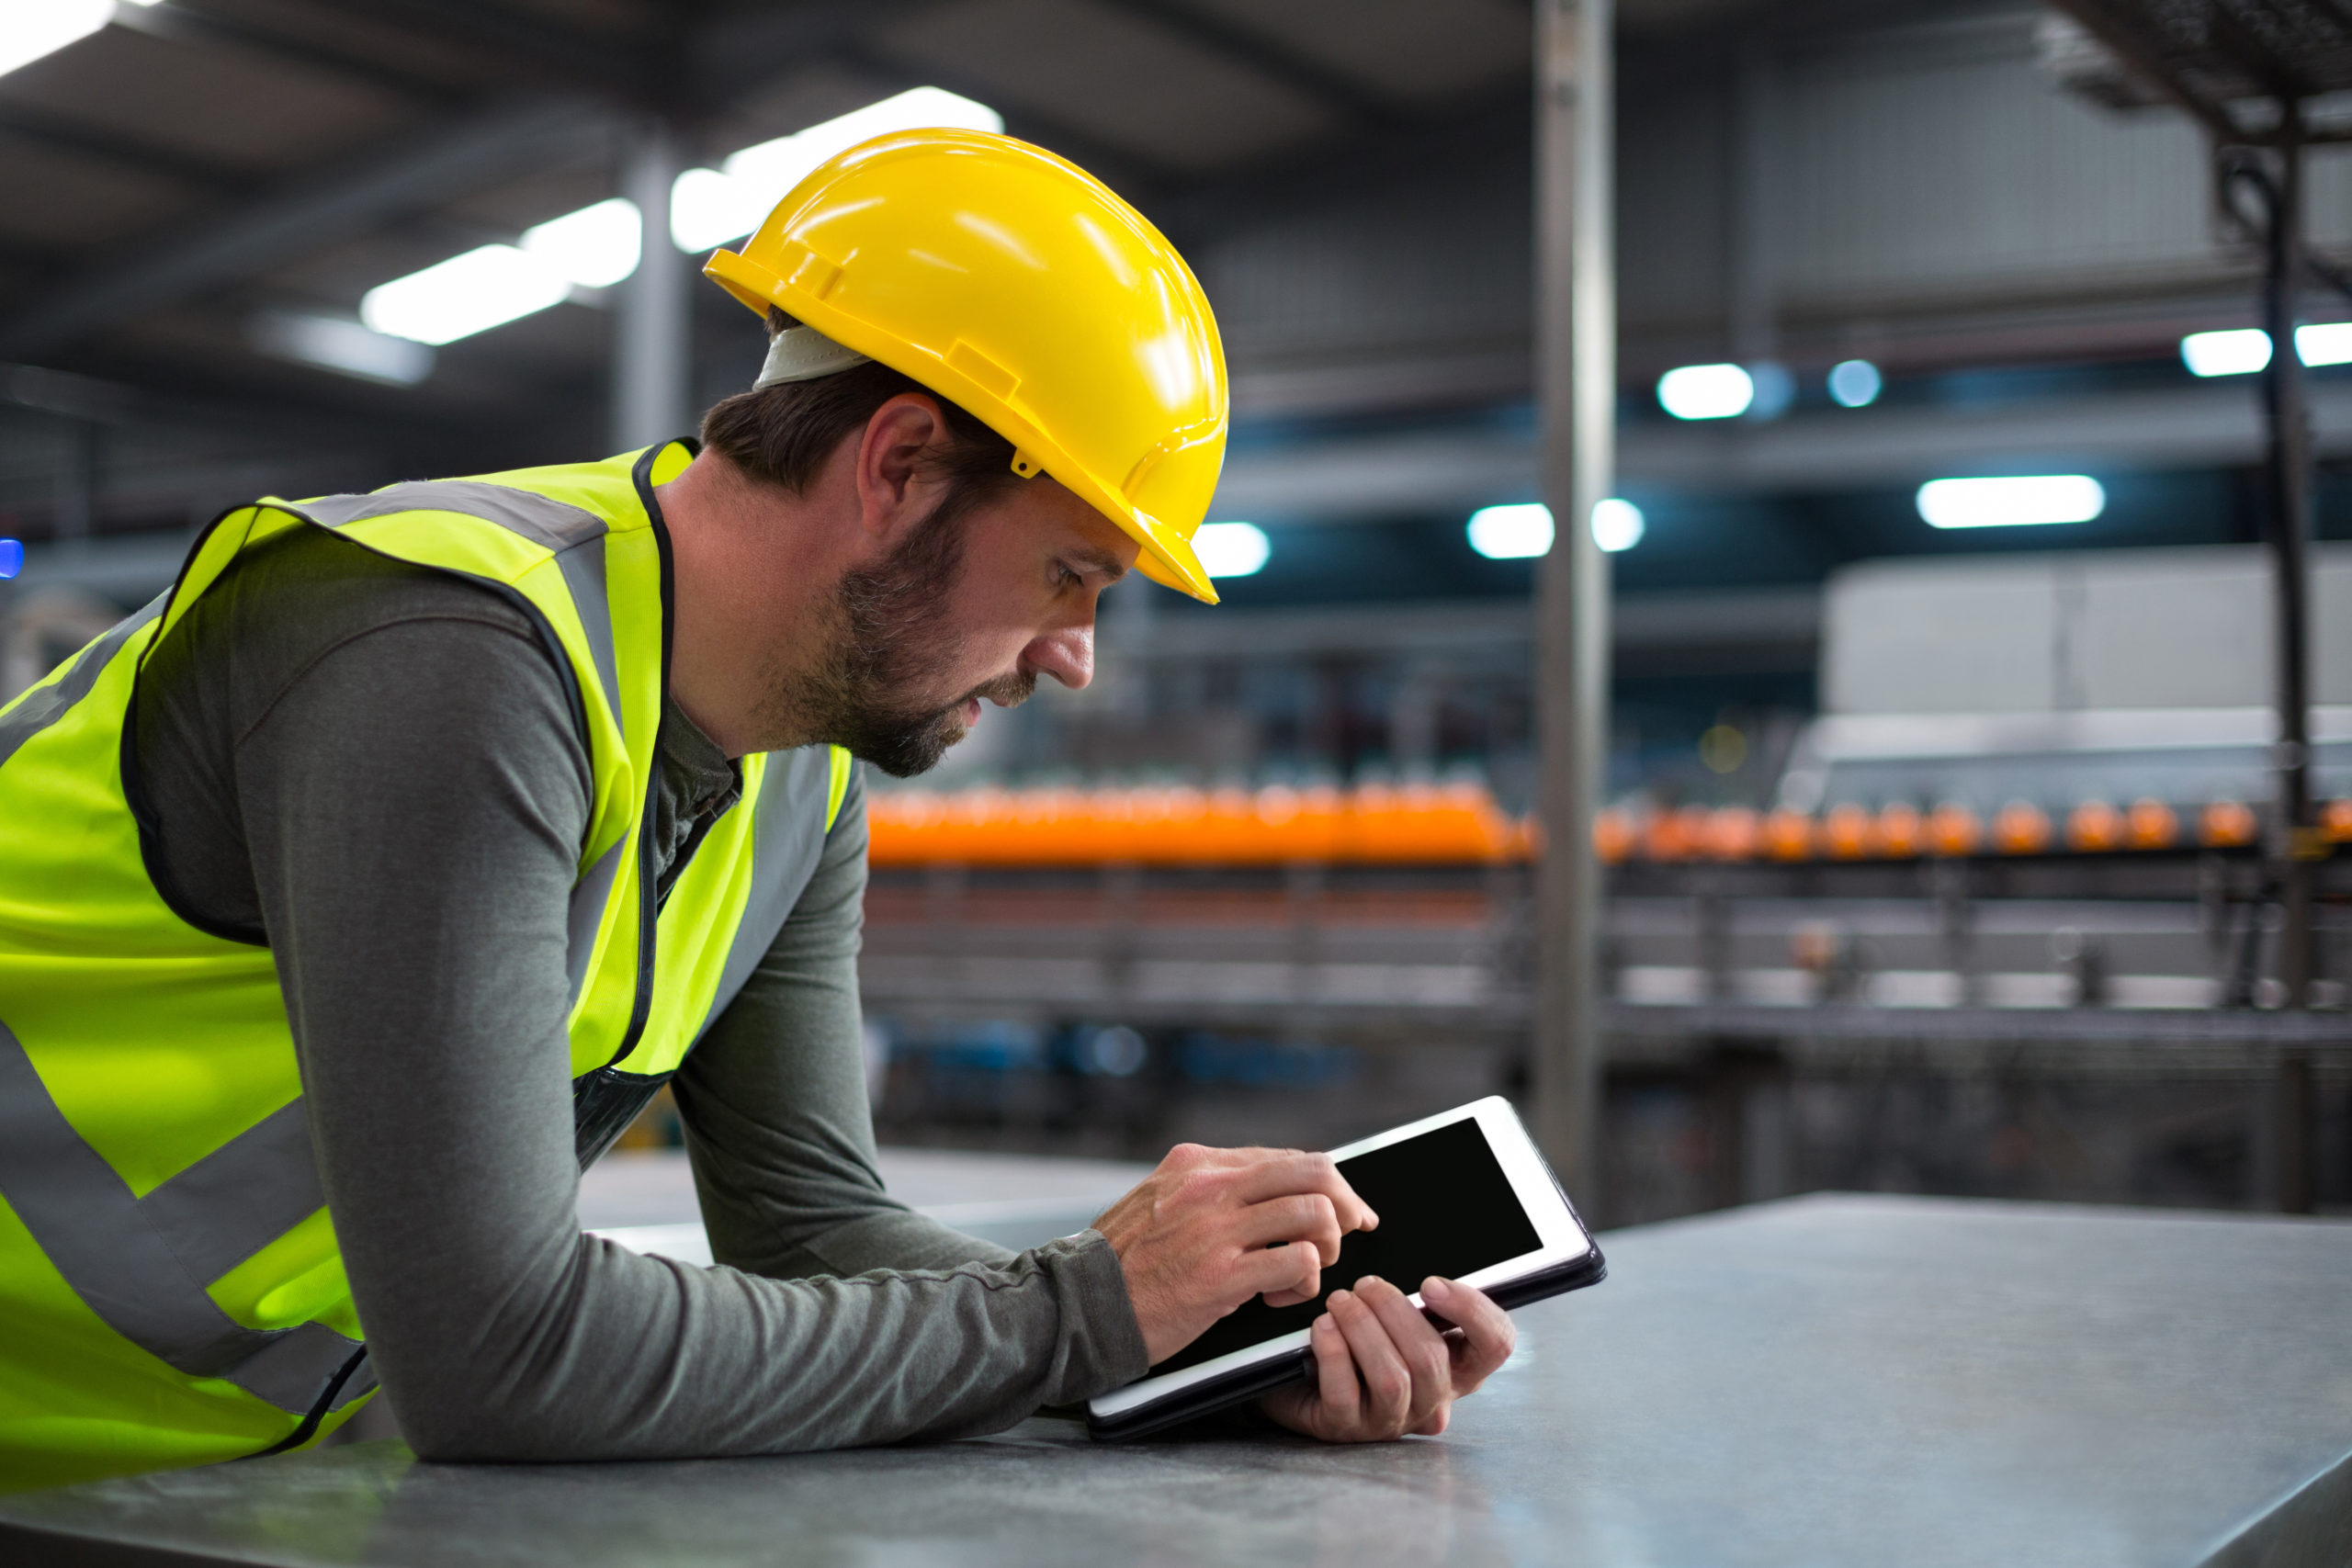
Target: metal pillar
<point>1577,380</point>
<point>2289,461</point>
<point>652,329</point>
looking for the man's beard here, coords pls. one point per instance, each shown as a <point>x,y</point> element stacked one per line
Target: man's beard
<point>890,642</point>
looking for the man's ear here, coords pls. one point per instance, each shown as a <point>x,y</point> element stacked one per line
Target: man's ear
<point>896,488</point>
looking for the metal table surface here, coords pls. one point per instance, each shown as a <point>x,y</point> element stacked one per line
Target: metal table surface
<point>1827,1380</point>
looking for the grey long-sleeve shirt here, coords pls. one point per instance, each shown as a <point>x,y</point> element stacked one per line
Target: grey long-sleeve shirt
<point>376,770</point>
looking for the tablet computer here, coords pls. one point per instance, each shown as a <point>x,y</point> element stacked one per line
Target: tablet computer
<point>1463,1195</point>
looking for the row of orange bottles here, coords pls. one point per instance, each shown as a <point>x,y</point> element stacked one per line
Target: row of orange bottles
<point>1430,824</point>
<point>1459,823</point>
<point>1904,832</point>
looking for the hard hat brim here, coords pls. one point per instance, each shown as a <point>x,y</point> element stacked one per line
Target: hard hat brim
<point>1167,556</point>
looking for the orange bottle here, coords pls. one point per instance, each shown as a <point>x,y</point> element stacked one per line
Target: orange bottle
<point>1900,831</point>
<point>1953,829</point>
<point>2150,824</point>
<point>1849,833</point>
<point>2020,828</point>
<point>2227,825</point>
<point>1788,835</point>
<point>2095,827</point>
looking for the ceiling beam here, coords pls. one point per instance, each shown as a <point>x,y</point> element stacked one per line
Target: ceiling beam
<point>322,209</point>
<point>188,21</point>
<point>132,153</point>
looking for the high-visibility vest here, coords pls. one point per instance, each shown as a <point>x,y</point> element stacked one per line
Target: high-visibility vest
<point>171,1291</point>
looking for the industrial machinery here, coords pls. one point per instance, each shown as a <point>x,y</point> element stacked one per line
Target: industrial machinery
<point>2025,831</point>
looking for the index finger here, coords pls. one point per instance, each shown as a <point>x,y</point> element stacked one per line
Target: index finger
<point>1283,1173</point>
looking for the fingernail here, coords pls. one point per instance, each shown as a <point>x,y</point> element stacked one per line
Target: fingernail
<point>1435,1289</point>
<point>1323,1323</point>
<point>1338,1296</point>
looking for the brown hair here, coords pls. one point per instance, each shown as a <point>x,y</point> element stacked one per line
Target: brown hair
<point>782,434</point>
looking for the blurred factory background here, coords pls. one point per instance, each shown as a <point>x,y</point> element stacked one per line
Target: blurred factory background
<point>1939,833</point>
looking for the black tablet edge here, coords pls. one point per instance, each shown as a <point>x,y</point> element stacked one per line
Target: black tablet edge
<point>1247,1383</point>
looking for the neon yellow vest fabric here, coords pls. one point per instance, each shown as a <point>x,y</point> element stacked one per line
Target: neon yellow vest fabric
<point>171,1293</point>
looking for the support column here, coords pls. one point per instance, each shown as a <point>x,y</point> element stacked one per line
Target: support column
<point>1576,374</point>
<point>2295,840</point>
<point>652,325</point>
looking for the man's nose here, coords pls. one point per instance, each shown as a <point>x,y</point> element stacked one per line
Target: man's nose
<point>1067,655</point>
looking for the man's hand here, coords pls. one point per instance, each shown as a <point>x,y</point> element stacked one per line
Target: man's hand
<point>1213,1227</point>
<point>1382,1370</point>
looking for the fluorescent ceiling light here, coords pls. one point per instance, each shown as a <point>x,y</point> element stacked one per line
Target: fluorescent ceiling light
<point>1706,392</point>
<point>1511,533</point>
<point>1231,550</point>
<point>32,29</point>
<point>2238,353</point>
<point>1617,525</point>
<point>706,210</point>
<point>334,343</point>
<point>710,207</point>
<point>2245,350</point>
<point>467,294</point>
<point>594,247</point>
<point>2011,501</point>
<point>12,558</point>
<point>2324,343</point>
<point>1855,383</point>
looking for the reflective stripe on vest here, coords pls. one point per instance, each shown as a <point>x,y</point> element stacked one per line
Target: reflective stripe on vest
<point>150,1265</point>
<point>142,1263</point>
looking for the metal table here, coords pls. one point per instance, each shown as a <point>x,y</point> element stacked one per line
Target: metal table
<point>1828,1381</point>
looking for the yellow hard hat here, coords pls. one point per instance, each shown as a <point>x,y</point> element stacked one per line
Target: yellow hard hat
<point>1017,284</point>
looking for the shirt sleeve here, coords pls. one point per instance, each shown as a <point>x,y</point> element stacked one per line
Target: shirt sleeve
<point>413,800</point>
<point>776,1108</point>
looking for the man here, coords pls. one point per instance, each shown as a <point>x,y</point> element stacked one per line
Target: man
<point>357,894</point>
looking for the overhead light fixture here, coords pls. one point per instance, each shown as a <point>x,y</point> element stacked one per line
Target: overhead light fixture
<point>1231,550</point>
<point>1617,525</point>
<point>2324,343</point>
<point>2240,352</point>
<point>1855,383</point>
<point>339,344</point>
<point>1511,533</point>
<point>483,288</point>
<point>710,207</point>
<point>12,558</point>
<point>30,30</point>
<point>1706,392</point>
<point>592,248</point>
<point>2011,501</point>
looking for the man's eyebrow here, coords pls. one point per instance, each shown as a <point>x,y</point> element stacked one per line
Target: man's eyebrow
<point>1093,560</point>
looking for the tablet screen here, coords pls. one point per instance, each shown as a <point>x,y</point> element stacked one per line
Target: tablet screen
<point>1445,1208</point>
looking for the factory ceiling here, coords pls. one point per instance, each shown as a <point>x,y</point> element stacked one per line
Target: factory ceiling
<point>199,161</point>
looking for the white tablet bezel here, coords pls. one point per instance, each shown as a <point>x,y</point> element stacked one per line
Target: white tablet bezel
<point>1561,1238</point>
